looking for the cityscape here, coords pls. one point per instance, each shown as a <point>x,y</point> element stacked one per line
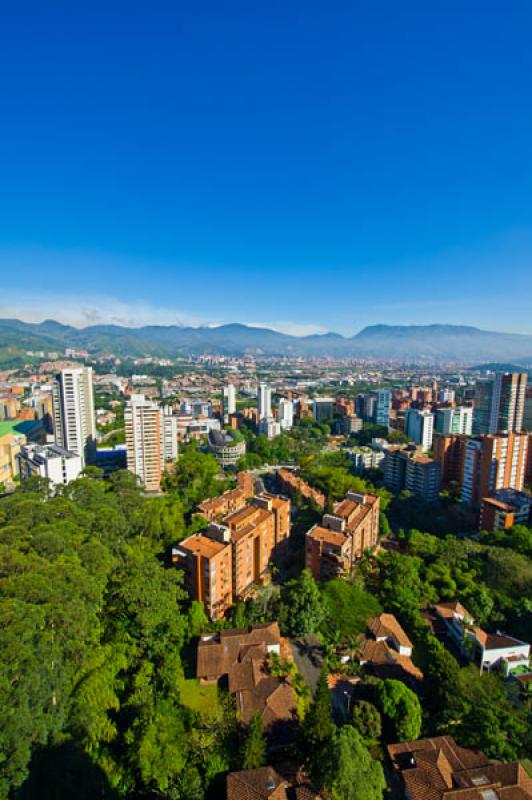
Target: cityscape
<point>266,401</point>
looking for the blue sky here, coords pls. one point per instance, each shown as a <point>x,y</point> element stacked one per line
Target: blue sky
<point>304,165</point>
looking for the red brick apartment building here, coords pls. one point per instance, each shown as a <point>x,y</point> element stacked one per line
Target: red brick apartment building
<point>216,507</point>
<point>226,560</point>
<point>292,483</point>
<point>334,547</point>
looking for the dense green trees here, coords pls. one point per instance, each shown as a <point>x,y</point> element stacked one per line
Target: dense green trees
<point>195,477</point>
<point>318,732</point>
<point>302,609</point>
<point>355,774</point>
<point>367,720</point>
<point>92,627</point>
<point>401,711</point>
<point>254,745</point>
<point>347,608</point>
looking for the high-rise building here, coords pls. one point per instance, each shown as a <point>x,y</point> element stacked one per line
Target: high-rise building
<point>449,452</point>
<point>492,462</point>
<point>499,403</point>
<point>419,427</point>
<point>73,412</point>
<point>446,395</point>
<point>229,401</point>
<point>457,420</point>
<point>323,408</point>
<point>383,403</point>
<point>151,439</point>
<point>264,401</point>
<point>527,414</point>
<point>286,414</point>
<point>406,469</point>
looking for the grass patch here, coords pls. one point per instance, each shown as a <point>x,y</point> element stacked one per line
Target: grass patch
<point>203,699</point>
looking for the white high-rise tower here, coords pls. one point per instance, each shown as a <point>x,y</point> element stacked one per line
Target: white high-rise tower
<point>73,412</point>
<point>264,400</point>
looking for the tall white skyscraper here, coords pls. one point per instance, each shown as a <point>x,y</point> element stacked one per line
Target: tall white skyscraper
<point>419,427</point>
<point>499,403</point>
<point>73,412</point>
<point>286,414</point>
<point>229,400</point>
<point>144,422</point>
<point>264,400</point>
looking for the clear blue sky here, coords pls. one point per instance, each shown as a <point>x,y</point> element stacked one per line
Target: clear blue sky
<point>295,163</point>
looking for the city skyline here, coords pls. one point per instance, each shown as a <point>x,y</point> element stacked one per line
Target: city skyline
<point>208,165</point>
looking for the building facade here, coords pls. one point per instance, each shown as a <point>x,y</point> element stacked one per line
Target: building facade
<point>74,418</point>
<point>143,420</point>
<point>492,462</point>
<point>419,427</point>
<point>454,421</point>
<point>499,403</point>
<point>51,461</point>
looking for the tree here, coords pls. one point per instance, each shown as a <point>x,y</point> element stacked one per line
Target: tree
<point>355,774</point>
<point>367,720</point>
<point>401,710</point>
<point>195,477</point>
<point>253,753</point>
<point>302,609</point>
<point>318,730</point>
<point>348,607</point>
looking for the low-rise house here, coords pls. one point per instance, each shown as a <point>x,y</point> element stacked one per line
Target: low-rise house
<point>386,651</point>
<point>489,650</point>
<point>267,783</point>
<point>438,769</point>
<point>503,509</point>
<point>242,658</point>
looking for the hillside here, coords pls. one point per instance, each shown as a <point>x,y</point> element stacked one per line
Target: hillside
<point>401,342</point>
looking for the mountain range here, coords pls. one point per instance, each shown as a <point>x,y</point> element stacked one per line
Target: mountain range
<point>456,343</point>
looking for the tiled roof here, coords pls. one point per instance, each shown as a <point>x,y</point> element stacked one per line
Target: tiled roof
<point>438,769</point>
<point>387,625</point>
<point>327,535</point>
<point>448,610</point>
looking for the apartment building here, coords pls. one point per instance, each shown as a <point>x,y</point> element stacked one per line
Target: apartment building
<point>50,461</point>
<point>228,401</point>
<point>242,546</point>
<point>292,484</point>
<point>207,565</point>
<point>449,452</point>
<point>504,509</point>
<point>216,507</point>
<point>422,477</point>
<point>323,408</point>
<point>407,469</point>
<point>149,438</point>
<point>499,403</point>
<point>454,421</point>
<point>74,418</point>
<point>286,414</point>
<point>419,427</point>
<point>492,462</point>
<point>334,547</point>
<point>383,404</point>
<point>10,444</point>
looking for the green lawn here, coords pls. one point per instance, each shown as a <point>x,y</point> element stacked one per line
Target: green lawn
<point>198,698</point>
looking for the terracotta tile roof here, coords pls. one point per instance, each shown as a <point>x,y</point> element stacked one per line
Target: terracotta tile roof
<point>284,783</point>
<point>495,641</point>
<point>201,545</point>
<point>387,662</point>
<point>448,610</point>
<point>387,625</point>
<point>438,769</point>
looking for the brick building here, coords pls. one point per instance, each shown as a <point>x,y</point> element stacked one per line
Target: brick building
<point>334,547</point>
<point>230,556</point>
<point>291,484</point>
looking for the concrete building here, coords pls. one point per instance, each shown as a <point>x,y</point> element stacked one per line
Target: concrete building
<point>227,447</point>
<point>207,565</point>
<point>264,401</point>
<point>492,462</point>
<point>144,426</point>
<point>422,477</point>
<point>406,469</point>
<point>446,395</point>
<point>499,403</point>
<point>323,408</point>
<point>504,509</point>
<point>364,458</point>
<point>351,424</point>
<point>419,427</point>
<point>454,421</point>
<point>228,401</point>
<point>50,461</point>
<point>286,414</point>
<point>334,547</point>
<point>74,417</point>
<point>170,424</point>
<point>269,427</point>
<point>383,404</point>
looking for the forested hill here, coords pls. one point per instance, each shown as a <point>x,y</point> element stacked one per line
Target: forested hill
<point>411,342</point>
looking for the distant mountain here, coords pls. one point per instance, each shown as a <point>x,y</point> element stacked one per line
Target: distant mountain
<point>399,342</point>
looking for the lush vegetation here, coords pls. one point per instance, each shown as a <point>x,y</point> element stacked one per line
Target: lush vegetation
<point>93,631</point>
